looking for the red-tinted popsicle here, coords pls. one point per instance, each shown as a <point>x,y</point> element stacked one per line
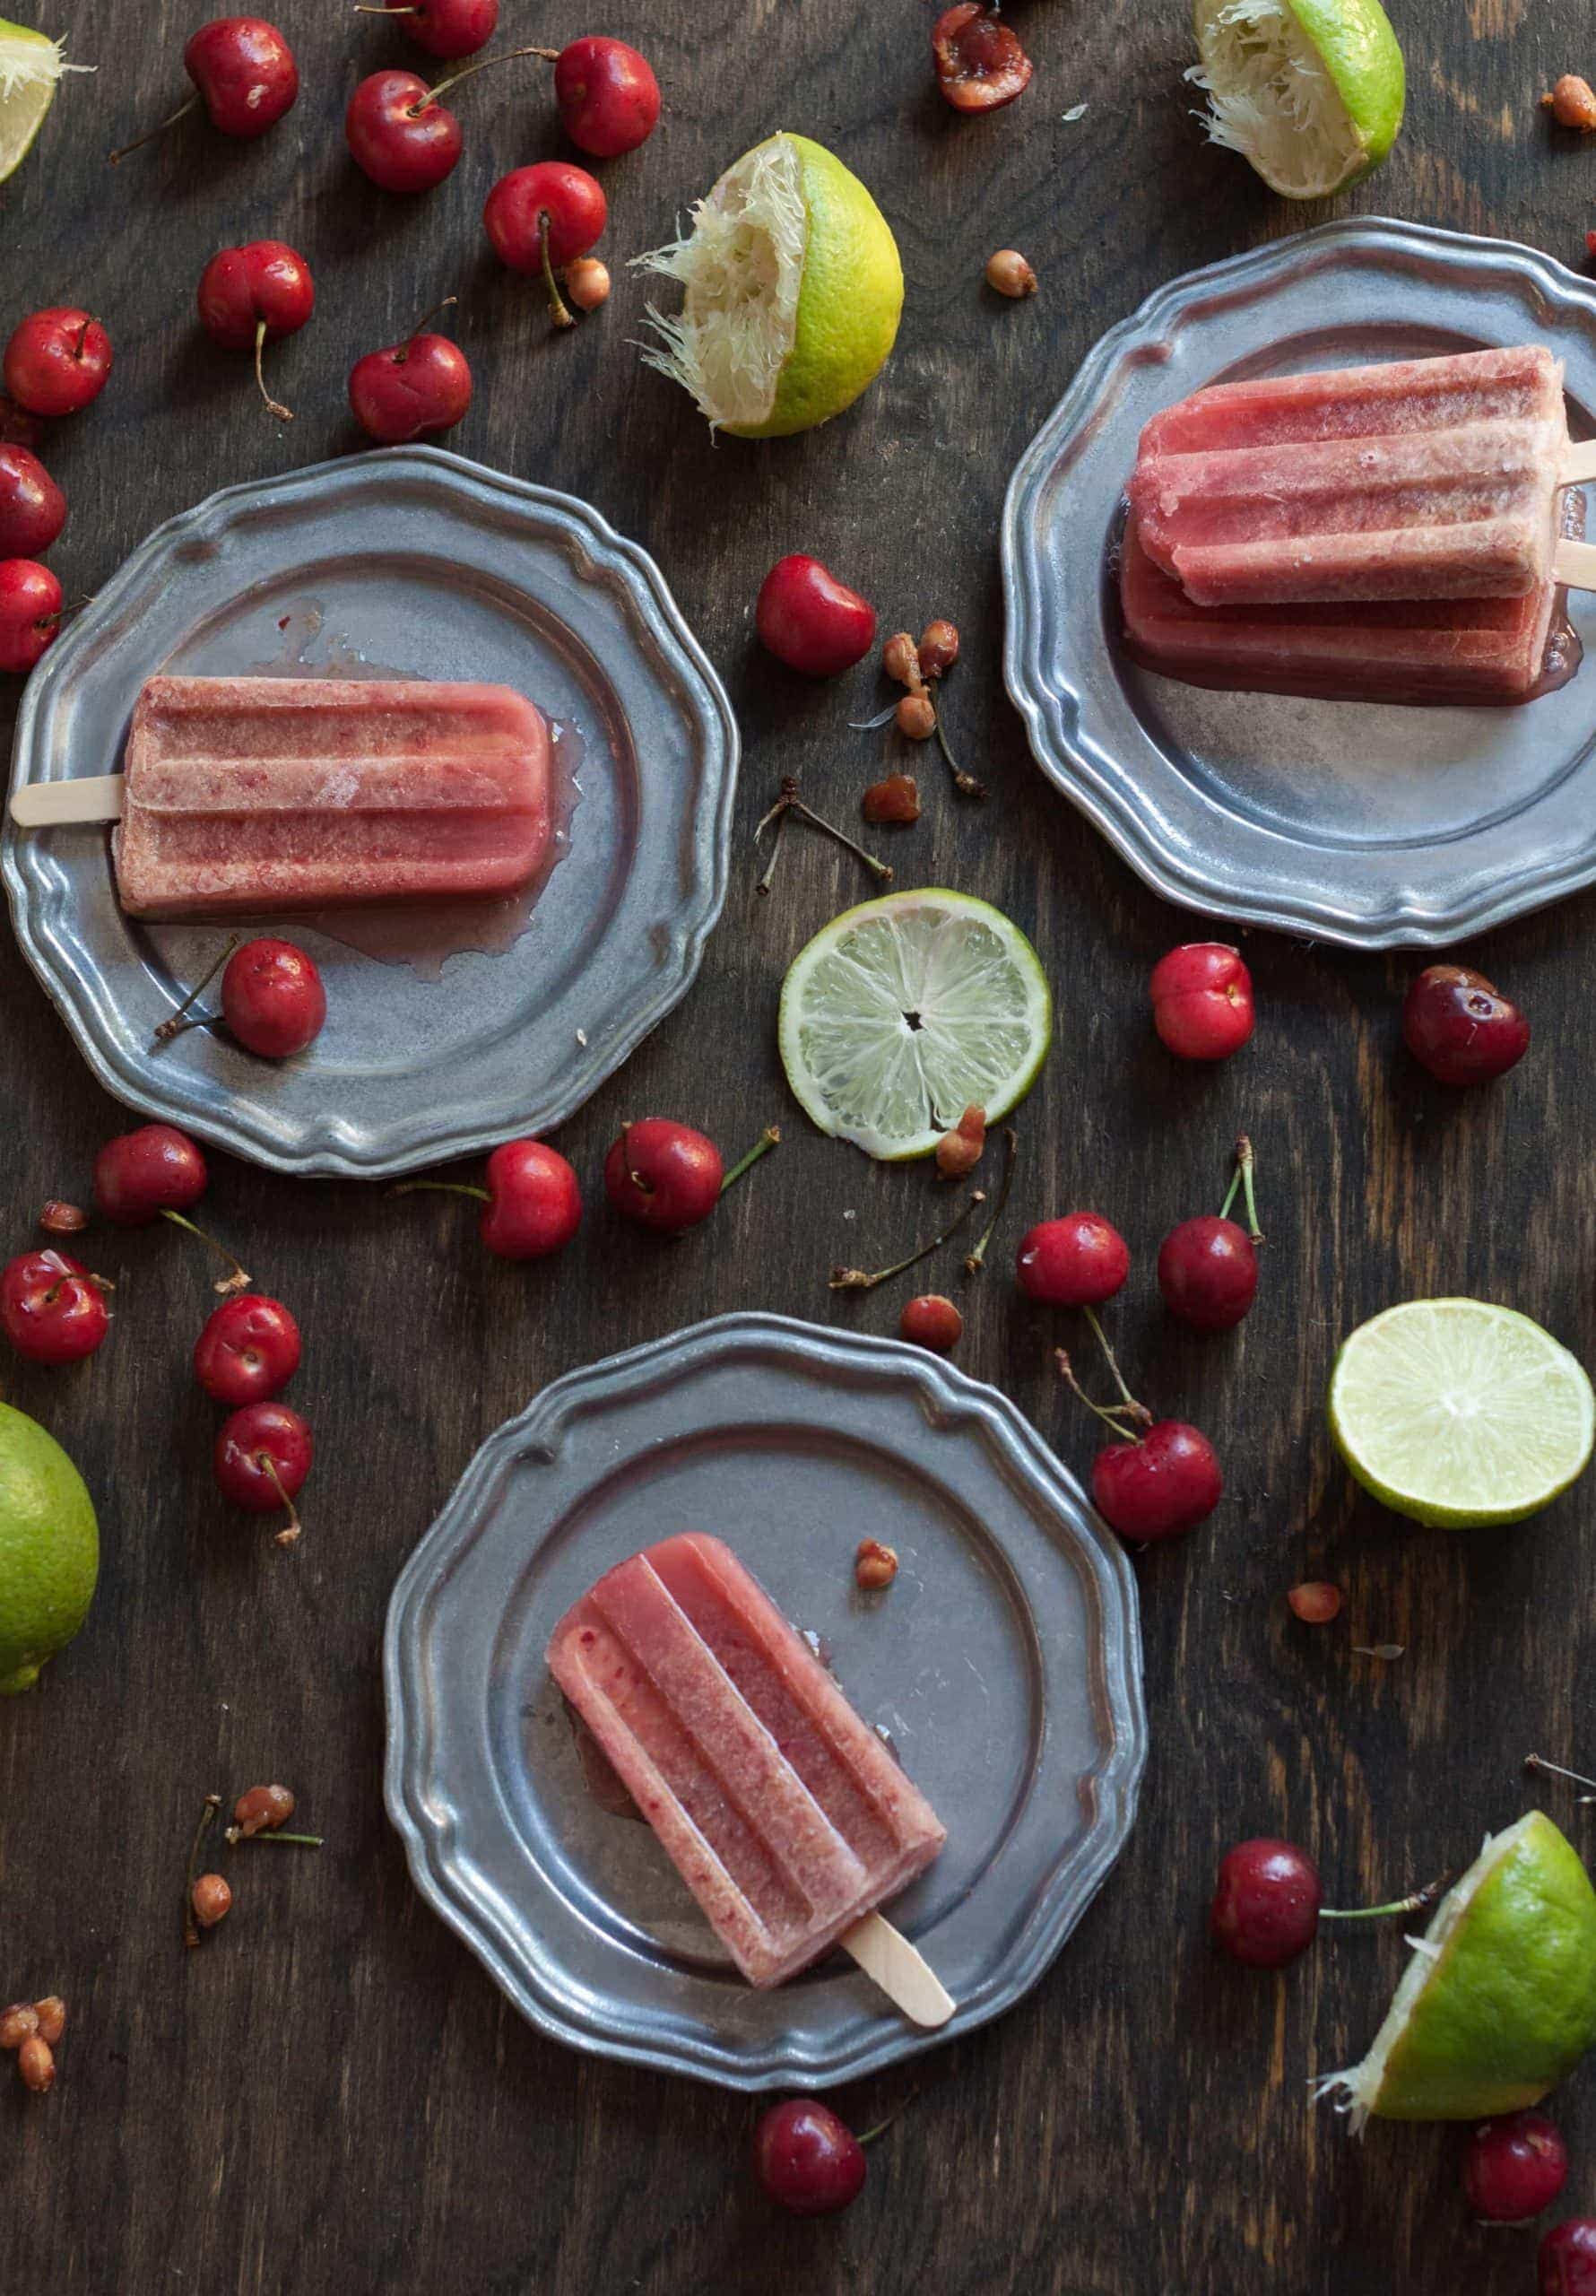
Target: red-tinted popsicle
<point>782,1811</point>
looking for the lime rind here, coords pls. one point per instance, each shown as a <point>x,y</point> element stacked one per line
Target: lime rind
<point>1461,1415</point>
<point>903,1011</point>
<point>1310,91</point>
<point>794,290</point>
<point>1498,2001</point>
<point>31,67</point>
<point>49,1549</point>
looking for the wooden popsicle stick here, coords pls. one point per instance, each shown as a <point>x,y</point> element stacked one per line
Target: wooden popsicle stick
<point>44,805</point>
<point>1579,464</point>
<point>908,1981</point>
<point>1574,562</point>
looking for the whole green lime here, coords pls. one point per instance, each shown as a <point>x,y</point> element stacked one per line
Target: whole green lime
<point>49,1549</point>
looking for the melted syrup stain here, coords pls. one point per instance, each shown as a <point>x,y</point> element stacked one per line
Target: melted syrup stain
<point>423,934</point>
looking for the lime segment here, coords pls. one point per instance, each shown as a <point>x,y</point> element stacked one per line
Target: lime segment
<point>31,67</point>
<point>1310,91</point>
<point>1499,2000</point>
<point>1458,1413</point>
<point>793,293</point>
<point>902,1013</point>
<point>49,1549</point>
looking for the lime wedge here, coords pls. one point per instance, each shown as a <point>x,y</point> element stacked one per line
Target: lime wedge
<point>30,66</point>
<point>1458,1413</point>
<point>902,1013</point>
<point>793,293</point>
<point>1311,91</point>
<point>1499,2000</point>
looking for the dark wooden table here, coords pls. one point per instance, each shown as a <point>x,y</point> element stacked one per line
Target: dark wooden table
<point>333,2096</point>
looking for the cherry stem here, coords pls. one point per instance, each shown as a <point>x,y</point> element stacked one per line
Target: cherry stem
<point>964,783</point>
<point>274,406</point>
<point>1555,1769</point>
<point>175,1024</point>
<point>855,1279</point>
<point>237,1280</point>
<point>790,802</point>
<point>1418,1903</point>
<point>421,322</point>
<point>293,1527</point>
<point>483,64</point>
<point>77,348</point>
<point>975,1261</point>
<point>113,159</point>
<point>781,824</point>
<point>881,2127</point>
<point>441,1187</point>
<point>557,309</point>
<point>1242,1177</point>
<point>1102,1339</point>
<point>190,1936</point>
<point>770,1138</point>
<point>1110,1415</point>
<point>236,1834</point>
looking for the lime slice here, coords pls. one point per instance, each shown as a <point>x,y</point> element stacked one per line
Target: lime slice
<point>1455,1411</point>
<point>1499,2000</point>
<point>793,293</point>
<point>49,1549</point>
<point>1311,91</point>
<point>902,1013</point>
<point>30,65</point>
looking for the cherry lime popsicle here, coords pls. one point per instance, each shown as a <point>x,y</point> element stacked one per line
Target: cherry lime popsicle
<point>1429,478</point>
<point>265,794</point>
<point>783,1812</point>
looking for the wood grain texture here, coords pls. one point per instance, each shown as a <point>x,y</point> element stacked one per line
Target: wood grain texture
<point>333,2096</point>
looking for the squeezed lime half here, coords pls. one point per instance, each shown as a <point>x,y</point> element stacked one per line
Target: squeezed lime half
<point>30,66</point>
<point>1311,91</point>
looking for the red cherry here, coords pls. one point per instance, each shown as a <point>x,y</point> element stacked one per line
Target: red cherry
<point>33,506</point>
<point>245,72</point>
<point>931,1321</point>
<point>1567,2258</point>
<point>139,1175</point>
<point>57,361</point>
<point>263,1454</point>
<point>53,1310</point>
<point>1461,1028</point>
<point>608,96</point>
<point>1076,1262</point>
<point>29,612</point>
<point>443,28</point>
<point>1514,2168</point>
<point>1265,1910</point>
<point>535,1202</point>
<point>410,388</point>
<point>252,295</point>
<point>1202,1000</point>
<point>664,1175</point>
<point>542,217</point>
<point>807,2159</point>
<point>399,135</point>
<point>273,999</point>
<point>980,64</point>
<point>248,1351</point>
<point>811,620</point>
<point>1207,1271</point>
<point>1165,1482</point>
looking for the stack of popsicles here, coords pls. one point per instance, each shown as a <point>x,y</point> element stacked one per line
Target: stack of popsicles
<point>1389,533</point>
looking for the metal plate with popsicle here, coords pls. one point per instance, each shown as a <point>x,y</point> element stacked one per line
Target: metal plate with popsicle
<point>450,1025</point>
<point>1003,1663</point>
<point>1370,822</point>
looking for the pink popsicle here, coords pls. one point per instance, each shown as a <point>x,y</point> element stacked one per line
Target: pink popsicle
<point>782,1811</point>
<point>1431,478</point>
<point>1435,650</point>
<point>266,794</point>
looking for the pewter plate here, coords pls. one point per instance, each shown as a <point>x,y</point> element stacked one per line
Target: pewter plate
<point>445,1031</point>
<point>1004,1663</point>
<point>1380,827</point>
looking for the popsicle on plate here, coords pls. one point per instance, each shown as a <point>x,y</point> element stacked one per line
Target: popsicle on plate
<point>1434,650</point>
<point>264,794</point>
<point>783,1812</point>
<point>1429,478</point>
